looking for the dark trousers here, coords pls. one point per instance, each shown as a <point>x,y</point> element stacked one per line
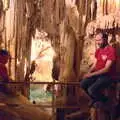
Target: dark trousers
<point>93,86</point>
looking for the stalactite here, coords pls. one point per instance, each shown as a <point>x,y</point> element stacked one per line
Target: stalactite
<point>106,7</point>
<point>1,8</point>
<point>16,39</point>
<point>93,9</point>
<point>103,7</point>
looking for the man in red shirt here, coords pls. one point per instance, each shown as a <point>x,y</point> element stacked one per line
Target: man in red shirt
<point>100,74</point>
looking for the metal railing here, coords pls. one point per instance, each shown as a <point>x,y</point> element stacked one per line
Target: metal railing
<point>20,84</point>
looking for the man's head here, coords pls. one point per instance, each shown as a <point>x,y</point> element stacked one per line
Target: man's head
<point>101,40</point>
<point>4,56</point>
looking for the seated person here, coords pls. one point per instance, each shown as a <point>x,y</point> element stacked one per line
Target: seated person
<point>4,78</point>
<point>101,72</point>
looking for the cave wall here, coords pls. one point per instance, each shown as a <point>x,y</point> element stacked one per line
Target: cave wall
<point>63,20</point>
<point>16,36</point>
<point>88,54</point>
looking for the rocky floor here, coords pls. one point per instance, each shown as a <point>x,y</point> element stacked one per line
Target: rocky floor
<point>18,107</point>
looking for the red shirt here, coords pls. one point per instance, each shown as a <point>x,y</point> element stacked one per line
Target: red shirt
<point>104,54</point>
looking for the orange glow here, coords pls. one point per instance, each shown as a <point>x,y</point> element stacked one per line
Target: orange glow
<point>118,4</point>
<point>43,53</point>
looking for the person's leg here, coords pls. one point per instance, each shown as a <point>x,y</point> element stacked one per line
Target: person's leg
<point>86,83</point>
<point>101,83</point>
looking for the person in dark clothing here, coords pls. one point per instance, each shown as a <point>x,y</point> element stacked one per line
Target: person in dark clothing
<point>4,78</point>
<point>101,72</point>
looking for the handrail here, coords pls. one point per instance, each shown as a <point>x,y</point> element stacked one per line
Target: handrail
<point>62,83</point>
<point>39,105</point>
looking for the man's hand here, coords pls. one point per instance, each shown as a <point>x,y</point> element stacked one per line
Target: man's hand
<point>87,75</point>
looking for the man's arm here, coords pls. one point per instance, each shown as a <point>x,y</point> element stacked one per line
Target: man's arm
<point>90,70</point>
<point>104,70</point>
<point>93,66</point>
